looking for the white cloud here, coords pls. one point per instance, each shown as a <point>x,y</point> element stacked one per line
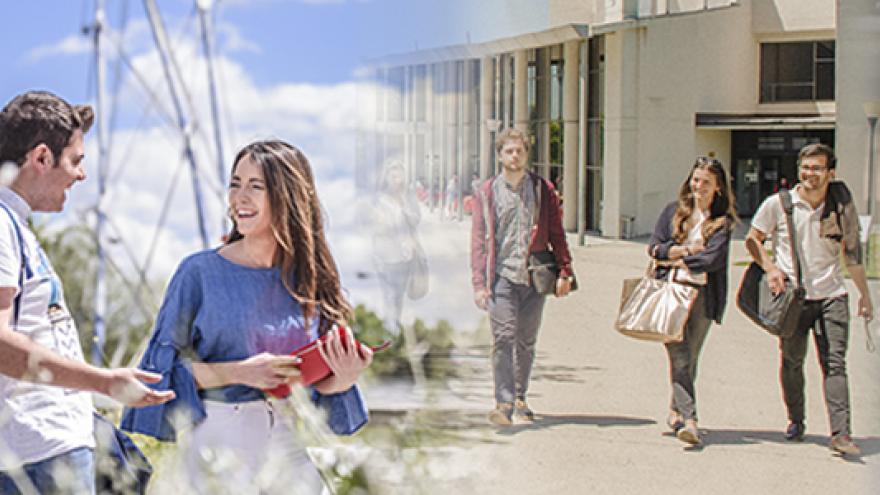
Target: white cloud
<point>230,40</point>
<point>323,120</point>
<point>75,44</point>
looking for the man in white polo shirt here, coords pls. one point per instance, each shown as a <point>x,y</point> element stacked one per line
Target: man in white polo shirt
<point>45,407</point>
<point>826,223</point>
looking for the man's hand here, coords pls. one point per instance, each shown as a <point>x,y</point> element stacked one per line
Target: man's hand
<point>563,286</point>
<point>776,280</point>
<point>124,385</point>
<point>866,308</point>
<point>481,299</point>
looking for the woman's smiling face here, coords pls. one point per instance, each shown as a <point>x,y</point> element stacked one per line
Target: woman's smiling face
<point>248,199</point>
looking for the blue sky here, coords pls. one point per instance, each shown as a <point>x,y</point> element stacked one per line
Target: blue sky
<point>287,70</point>
<point>315,41</point>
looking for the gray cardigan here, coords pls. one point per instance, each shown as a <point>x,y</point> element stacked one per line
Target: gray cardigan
<point>713,260</point>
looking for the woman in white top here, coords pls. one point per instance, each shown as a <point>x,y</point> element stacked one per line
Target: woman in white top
<point>694,233</point>
<point>396,247</point>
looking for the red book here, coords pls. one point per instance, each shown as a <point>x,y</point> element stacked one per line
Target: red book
<point>313,368</point>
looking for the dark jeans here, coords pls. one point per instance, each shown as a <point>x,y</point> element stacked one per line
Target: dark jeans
<point>515,316</point>
<point>683,357</point>
<point>829,320</point>
<point>71,473</point>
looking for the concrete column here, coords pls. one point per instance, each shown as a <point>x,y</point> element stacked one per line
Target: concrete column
<point>542,108</point>
<point>431,118</point>
<point>583,140</point>
<point>520,90</point>
<point>450,148</point>
<point>571,104</point>
<point>407,99</point>
<point>464,131</point>
<point>620,191</point>
<point>502,98</point>
<point>487,106</point>
<point>469,120</point>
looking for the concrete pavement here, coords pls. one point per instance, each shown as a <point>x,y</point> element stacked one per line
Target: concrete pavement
<point>601,400</point>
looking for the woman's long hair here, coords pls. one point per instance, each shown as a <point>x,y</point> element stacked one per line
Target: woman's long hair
<point>297,225</point>
<point>722,211</point>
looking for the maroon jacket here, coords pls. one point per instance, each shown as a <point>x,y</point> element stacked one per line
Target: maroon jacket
<point>547,231</point>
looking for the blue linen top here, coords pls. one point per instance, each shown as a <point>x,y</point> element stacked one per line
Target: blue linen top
<point>218,311</point>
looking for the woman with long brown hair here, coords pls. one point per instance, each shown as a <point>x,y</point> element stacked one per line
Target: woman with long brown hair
<point>229,319</point>
<point>693,233</point>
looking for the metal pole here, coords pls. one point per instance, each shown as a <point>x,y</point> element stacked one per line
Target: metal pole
<point>101,127</point>
<point>204,7</point>
<point>872,125</point>
<point>161,38</point>
<point>582,146</point>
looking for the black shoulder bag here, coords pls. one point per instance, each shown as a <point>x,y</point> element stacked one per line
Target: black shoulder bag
<point>778,314</point>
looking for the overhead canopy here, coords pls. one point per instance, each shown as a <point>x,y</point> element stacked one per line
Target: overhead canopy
<point>758,122</point>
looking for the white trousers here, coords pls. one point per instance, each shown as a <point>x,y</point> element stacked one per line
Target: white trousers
<point>247,448</point>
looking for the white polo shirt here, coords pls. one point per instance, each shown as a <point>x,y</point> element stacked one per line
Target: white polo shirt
<point>820,257</point>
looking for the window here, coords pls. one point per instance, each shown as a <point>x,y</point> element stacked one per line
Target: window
<point>799,71</point>
<point>545,73</point>
<point>395,89</point>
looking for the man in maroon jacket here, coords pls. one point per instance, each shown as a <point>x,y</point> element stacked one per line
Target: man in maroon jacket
<point>516,213</point>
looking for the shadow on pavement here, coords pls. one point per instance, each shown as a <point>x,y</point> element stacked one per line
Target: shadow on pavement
<point>869,445</point>
<point>543,421</point>
<point>565,374</point>
<point>748,437</point>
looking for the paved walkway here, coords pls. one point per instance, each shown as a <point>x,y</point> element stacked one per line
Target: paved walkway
<point>601,400</point>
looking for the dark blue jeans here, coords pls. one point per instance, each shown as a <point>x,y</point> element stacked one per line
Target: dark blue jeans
<point>71,473</point>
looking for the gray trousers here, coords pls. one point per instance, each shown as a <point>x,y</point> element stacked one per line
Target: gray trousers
<point>829,320</point>
<point>683,357</point>
<point>515,316</point>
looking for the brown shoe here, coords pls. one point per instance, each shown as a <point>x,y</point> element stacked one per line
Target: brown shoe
<point>522,413</point>
<point>689,433</point>
<point>843,445</point>
<point>502,414</point>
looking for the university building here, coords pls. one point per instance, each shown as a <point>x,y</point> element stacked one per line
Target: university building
<point>620,97</point>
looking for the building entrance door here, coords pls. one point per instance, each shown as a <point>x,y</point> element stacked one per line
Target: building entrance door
<point>765,161</point>
<point>747,185</point>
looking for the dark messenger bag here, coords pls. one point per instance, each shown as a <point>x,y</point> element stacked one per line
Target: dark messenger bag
<point>778,314</point>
